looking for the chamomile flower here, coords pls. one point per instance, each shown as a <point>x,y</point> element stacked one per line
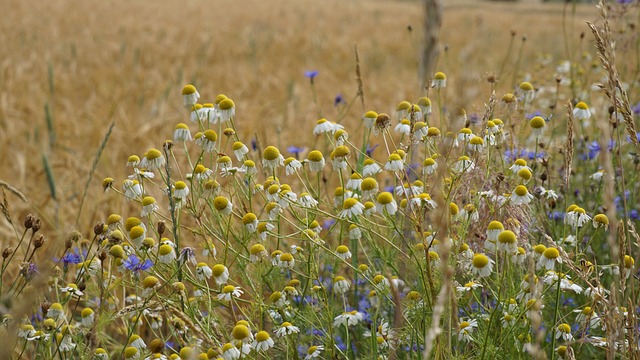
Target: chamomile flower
<point>370,168</point>
<point>249,168</point>
<point>481,265</point>
<point>339,157</point>
<point>369,119</point>
<point>250,222</point>
<point>402,110</point>
<point>87,316</point>
<point>341,137</point>
<point>190,95</point>
<point>182,133</point>
<point>403,127</point>
<point>463,164</point>
<point>137,342</point>
<point>316,161</point>
<point>629,264</point>
<point>26,331</point>
<point>420,130</point>
<point>286,261</point>
<point>262,342</point>
<point>386,202</point>
<point>526,91</point>
<point>220,274</point>
<point>577,217</point>
<point>207,140</point>
<point>439,80</point>
<point>340,285</point>
<point>271,158</point>
<point>507,241</point>
<point>278,299</point>
<point>476,144</point>
<point>564,331</point>
<point>508,320</point>
<point>520,195</point>
<point>166,254</point>
<point>351,208</point>
<point>470,286</point>
<point>548,259</point>
<point>203,271</point>
<point>314,352</point>
<point>242,333</point>
<point>306,200</point>
<point>347,319</point>
<point>223,205</point>
<point>226,110</point>
<point>343,252</point>
<point>425,105</point>
<point>429,166</point>
<point>537,124</point>
<point>355,181</point>
<point>600,221</point>
<point>263,229</point>
<point>518,165</point>
<point>322,126</point>
<point>586,316</point>
<point>285,329</point>
<point>230,352</point>
<point>493,231</point>
<point>465,135</point>
<point>291,165</point>
<point>466,328</point>
<point>181,190</point>
<point>394,163</point>
<point>581,111</point>
<point>239,150</point>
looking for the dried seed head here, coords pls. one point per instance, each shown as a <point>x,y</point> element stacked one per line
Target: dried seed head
<point>28,221</point>
<point>38,241</point>
<point>98,229</point>
<point>7,252</point>
<point>383,122</point>
<point>161,227</point>
<point>36,225</point>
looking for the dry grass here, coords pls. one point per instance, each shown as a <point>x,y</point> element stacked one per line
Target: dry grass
<point>126,62</point>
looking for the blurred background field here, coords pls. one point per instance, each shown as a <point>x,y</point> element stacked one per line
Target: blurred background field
<point>69,68</point>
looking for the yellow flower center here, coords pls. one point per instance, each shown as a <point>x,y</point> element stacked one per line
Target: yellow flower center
<point>507,237</point>
<point>480,261</point>
<point>551,253</point>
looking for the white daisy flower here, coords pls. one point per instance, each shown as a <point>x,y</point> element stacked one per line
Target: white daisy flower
<point>314,352</point>
<point>239,150</point>
<point>466,328</point>
<point>348,319</point>
<point>386,202</point>
<point>286,329</point>
<point>370,168</point>
<point>481,265</point>
<point>403,127</point>
<point>181,133</point>
<point>291,165</point>
<point>394,163</point>
<point>323,126</point>
<point>351,208</point>
<point>340,285</point>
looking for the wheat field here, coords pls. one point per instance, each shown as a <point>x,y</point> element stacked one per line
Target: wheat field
<point>93,63</point>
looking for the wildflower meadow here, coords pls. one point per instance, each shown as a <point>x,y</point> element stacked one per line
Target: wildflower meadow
<point>490,212</point>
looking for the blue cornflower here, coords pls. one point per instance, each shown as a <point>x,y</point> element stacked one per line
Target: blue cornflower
<point>474,119</point>
<point>296,150</point>
<point>636,109</point>
<point>133,263</point>
<point>338,100</point>
<point>532,115</point>
<point>74,257</point>
<point>311,74</point>
<point>370,149</point>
